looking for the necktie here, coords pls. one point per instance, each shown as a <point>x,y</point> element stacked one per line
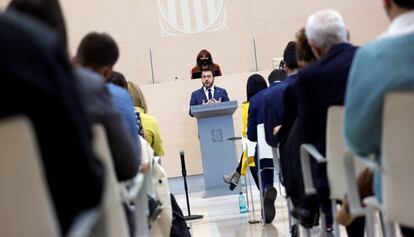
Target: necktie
<point>209,94</point>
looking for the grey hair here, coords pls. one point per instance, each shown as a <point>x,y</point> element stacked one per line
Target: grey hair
<point>326,28</point>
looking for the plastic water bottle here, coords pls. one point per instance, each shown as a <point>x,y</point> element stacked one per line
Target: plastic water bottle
<point>242,203</point>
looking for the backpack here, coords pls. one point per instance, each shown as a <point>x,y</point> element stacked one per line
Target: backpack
<point>179,227</point>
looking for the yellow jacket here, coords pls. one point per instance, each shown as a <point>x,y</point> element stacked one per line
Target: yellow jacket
<point>245,113</point>
<point>151,131</point>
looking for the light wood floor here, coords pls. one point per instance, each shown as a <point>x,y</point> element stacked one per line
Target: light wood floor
<point>222,217</point>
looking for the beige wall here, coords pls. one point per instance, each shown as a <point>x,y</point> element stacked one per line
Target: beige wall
<point>135,26</point>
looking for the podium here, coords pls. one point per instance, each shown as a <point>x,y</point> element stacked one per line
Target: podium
<point>215,127</point>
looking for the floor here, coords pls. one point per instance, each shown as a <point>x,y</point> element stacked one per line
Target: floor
<point>222,217</point>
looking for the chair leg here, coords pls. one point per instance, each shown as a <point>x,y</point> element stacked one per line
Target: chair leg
<point>390,230</point>
<point>251,221</point>
<point>370,224</point>
<point>382,224</point>
<point>308,234</point>
<point>336,226</point>
<point>289,216</point>
<point>246,191</point>
<point>323,223</point>
<point>261,193</point>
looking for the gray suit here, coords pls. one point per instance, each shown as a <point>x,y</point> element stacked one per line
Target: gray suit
<point>100,109</point>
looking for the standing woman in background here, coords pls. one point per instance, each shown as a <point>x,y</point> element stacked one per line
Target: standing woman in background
<point>204,61</point>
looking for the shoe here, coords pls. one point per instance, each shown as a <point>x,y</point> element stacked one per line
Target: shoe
<point>155,208</point>
<point>232,179</point>
<point>307,218</point>
<point>329,229</point>
<point>269,198</point>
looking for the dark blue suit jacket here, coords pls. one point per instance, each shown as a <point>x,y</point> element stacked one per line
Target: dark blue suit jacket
<point>198,96</point>
<point>255,116</point>
<point>273,109</point>
<point>320,86</point>
<point>290,107</point>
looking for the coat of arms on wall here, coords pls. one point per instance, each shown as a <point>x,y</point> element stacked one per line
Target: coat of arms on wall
<point>181,17</point>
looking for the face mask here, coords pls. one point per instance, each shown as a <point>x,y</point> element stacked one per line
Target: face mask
<point>204,62</point>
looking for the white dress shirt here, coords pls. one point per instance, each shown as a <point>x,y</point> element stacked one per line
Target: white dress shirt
<point>206,92</point>
<point>401,25</point>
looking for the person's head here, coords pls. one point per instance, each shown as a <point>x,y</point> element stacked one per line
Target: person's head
<point>204,59</point>
<point>48,12</point>
<point>289,57</point>
<point>207,78</point>
<point>99,52</point>
<point>325,29</point>
<point>118,79</point>
<point>277,75</point>
<point>394,8</point>
<point>305,55</point>
<point>255,83</point>
<point>137,96</point>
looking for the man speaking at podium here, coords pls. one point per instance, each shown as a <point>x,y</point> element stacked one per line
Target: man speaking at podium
<point>209,93</point>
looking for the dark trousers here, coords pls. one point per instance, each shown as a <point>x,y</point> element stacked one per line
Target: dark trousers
<point>267,175</point>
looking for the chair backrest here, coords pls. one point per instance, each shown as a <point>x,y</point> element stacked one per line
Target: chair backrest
<point>112,221</point>
<point>265,151</point>
<point>26,208</point>
<point>335,152</point>
<point>398,157</point>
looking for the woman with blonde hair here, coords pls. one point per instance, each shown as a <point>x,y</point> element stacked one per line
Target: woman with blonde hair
<point>149,123</point>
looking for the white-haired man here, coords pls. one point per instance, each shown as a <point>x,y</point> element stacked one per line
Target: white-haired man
<point>320,86</point>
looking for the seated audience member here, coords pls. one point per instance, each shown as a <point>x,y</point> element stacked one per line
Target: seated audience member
<point>255,118</point>
<point>37,82</point>
<point>321,85</point>
<point>203,62</point>
<point>97,53</point>
<point>108,104</point>
<point>273,97</point>
<point>149,123</point>
<point>289,142</point>
<point>363,111</point>
<point>209,93</point>
<point>304,57</point>
<point>118,79</point>
<point>254,85</point>
<point>277,75</point>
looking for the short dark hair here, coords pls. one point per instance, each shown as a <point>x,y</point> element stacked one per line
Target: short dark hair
<point>48,12</point>
<point>405,3</point>
<point>118,79</point>
<point>97,50</point>
<point>255,84</point>
<point>208,69</point>
<point>277,75</point>
<point>289,55</point>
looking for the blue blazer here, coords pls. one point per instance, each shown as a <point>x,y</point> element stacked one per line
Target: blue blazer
<point>290,107</point>
<point>273,109</point>
<point>198,96</point>
<point>320,86</point>
<point>255,116</point>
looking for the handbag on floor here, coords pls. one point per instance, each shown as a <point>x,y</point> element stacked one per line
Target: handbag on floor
<point>179,227</point>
